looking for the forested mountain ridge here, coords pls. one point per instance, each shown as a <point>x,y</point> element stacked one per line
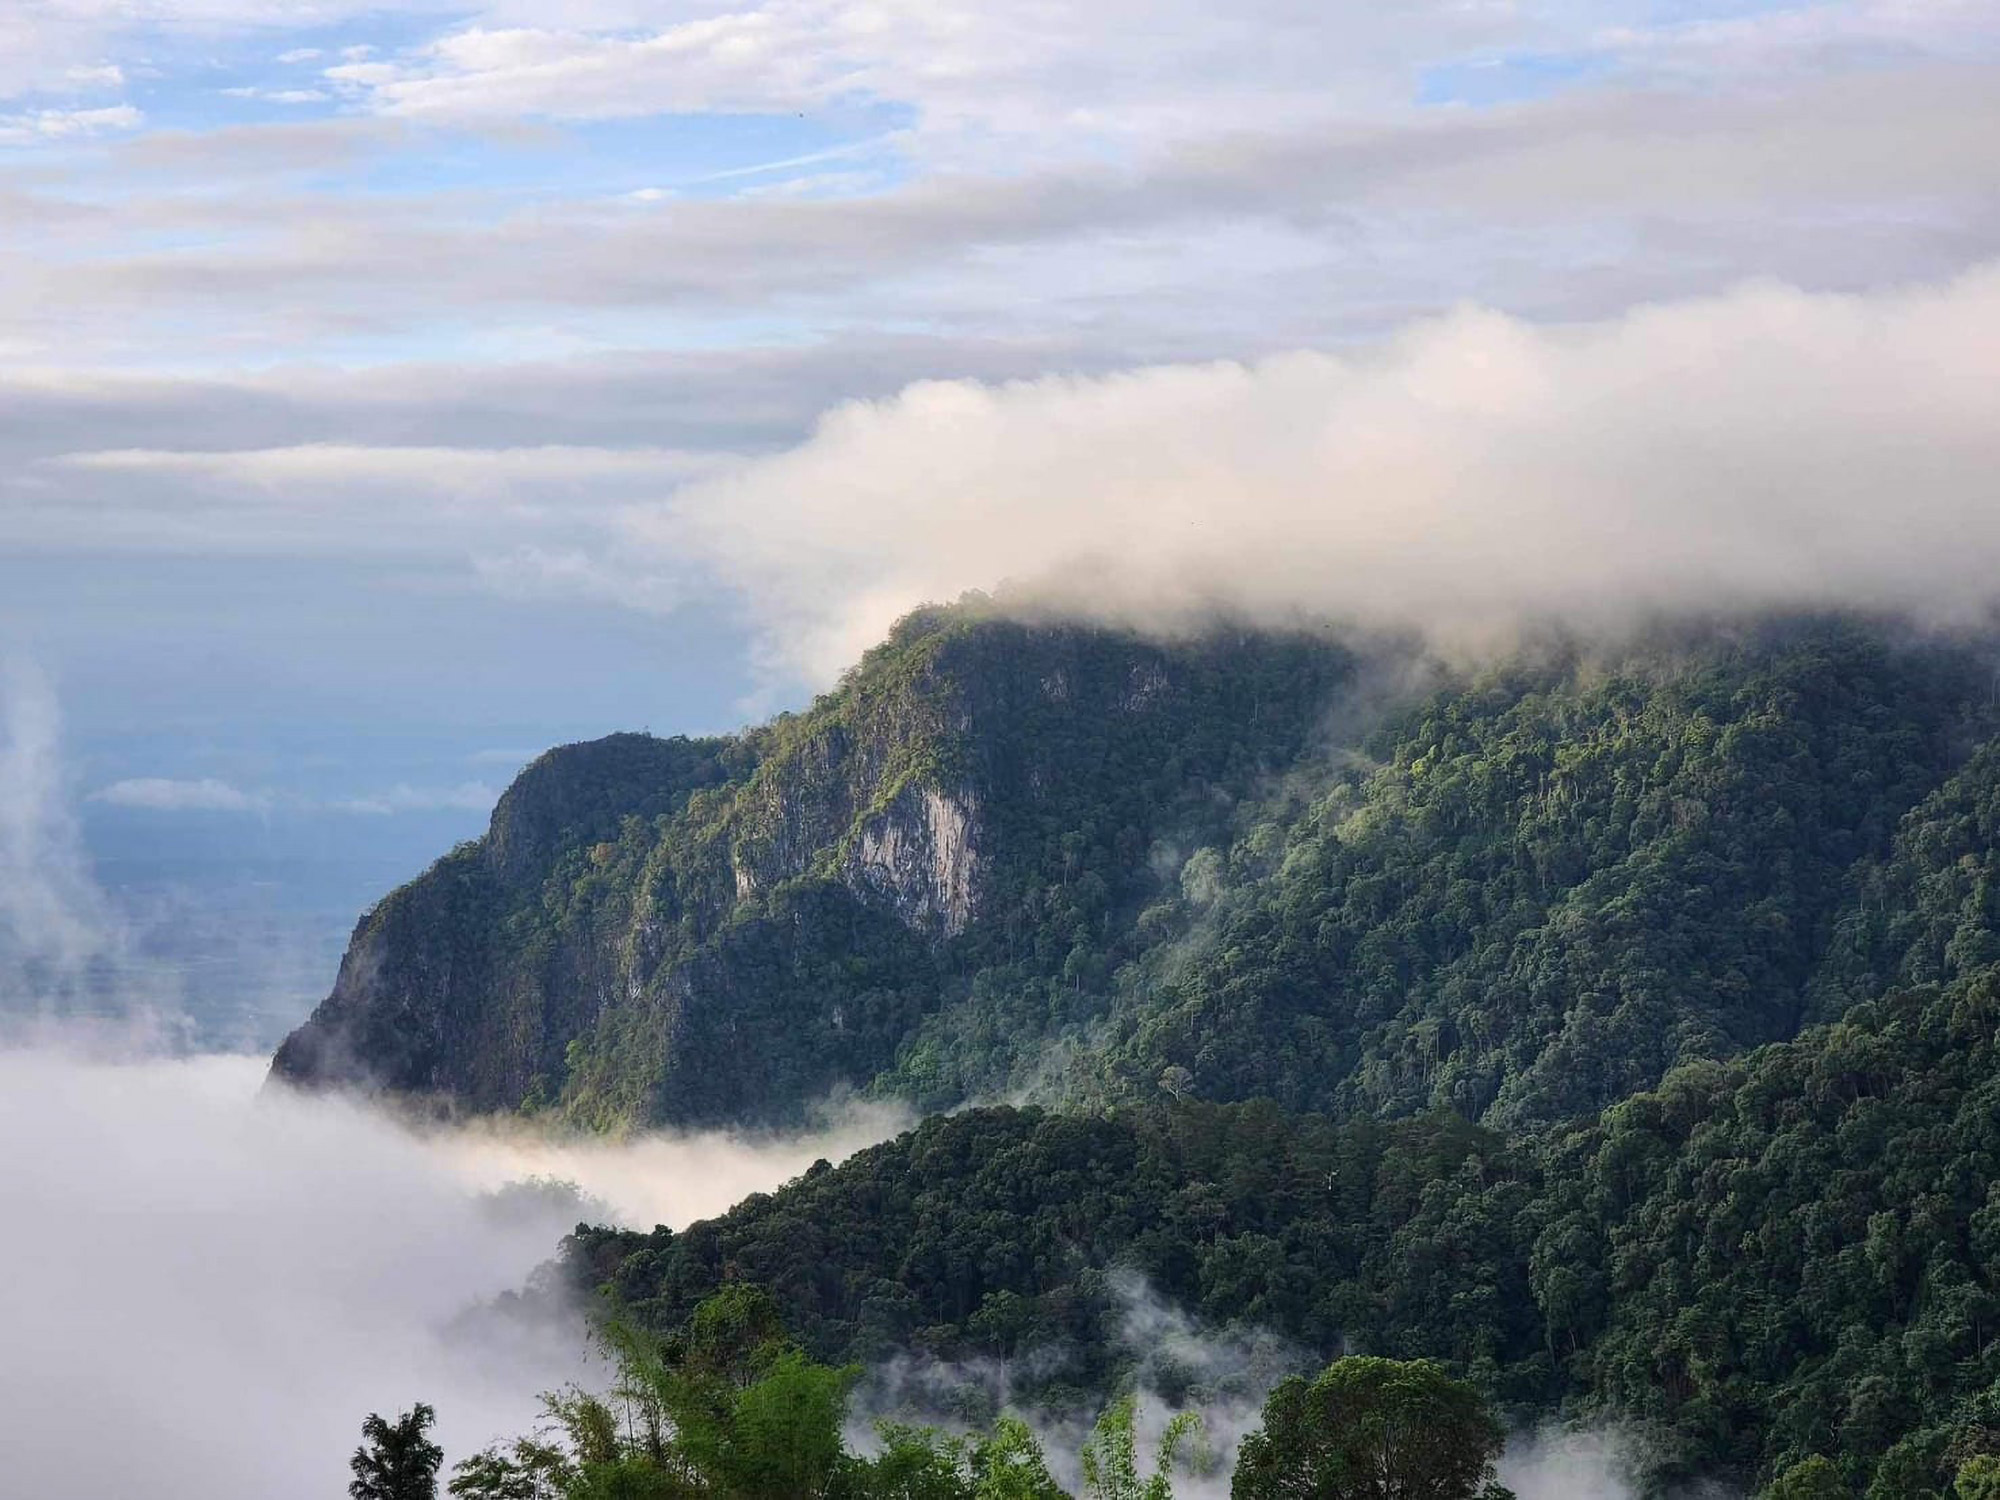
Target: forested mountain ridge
<point>1616,1026</point>
<point>721,930</point>
<point>1795,1253</point>
<point>1006,855</point>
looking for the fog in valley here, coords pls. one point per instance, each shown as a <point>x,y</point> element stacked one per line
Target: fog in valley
<point>205,1283</point>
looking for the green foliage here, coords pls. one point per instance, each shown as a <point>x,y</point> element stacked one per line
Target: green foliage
<point>397,1460</point>
<point>1008,1465</point>
<point>992,1232</point>
<point>1111,1469</point>
<point>1815,1478</point>
<point>527,1469</point>
<point>1794,1253</point>
<point>1365,1428</point>
<point>1978,1479</point>
<point>720,930</point>
<point>1555,882</point>
<point>1520,897</point>
<point>1616,1030</point>
<point>728,1409</point>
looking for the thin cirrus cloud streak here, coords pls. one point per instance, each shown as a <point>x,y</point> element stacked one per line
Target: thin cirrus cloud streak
<point>167,794</point>
<point>1903,149</point>
<point>209,794</point>
<point>1149,69</point>
<point>334,498</point>
<point>1102,150</point>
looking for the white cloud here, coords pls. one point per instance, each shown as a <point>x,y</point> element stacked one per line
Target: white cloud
<point>462,470</point>
<point>64,124</point>
<point>1033,188</point>
<point>1557,208</point>
<point>1762,446</point>
<point>280,96</point>
<point>162,794</point>
<point>96,76</point>
<point>975,76</point>
<point>531,572</point>
<point>330,498</point>
<point>467,796</point>
<point>54,922</point>
<point>1705,48</point>
<point>295,1263</point>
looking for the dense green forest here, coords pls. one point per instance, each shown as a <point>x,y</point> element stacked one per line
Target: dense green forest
<point>1008,857</point>
<point>1612,1025</point>
<point>1796,1253</point>
<point>728,1407</point>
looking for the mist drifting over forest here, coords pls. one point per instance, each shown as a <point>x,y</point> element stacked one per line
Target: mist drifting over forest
<point>945,711</point>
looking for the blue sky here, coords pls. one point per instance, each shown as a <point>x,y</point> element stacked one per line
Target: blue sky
<point>386,387</point>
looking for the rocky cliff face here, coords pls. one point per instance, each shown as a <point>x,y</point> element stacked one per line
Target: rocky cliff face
<point>921,856</point>
<point>722,930</point>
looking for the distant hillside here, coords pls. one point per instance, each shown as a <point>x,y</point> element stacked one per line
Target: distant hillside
<point>1004,856</point>
<point>1794,1253</point>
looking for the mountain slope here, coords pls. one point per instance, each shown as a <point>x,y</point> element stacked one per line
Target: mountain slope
<point>722,930</point>
<point>1793,1253</point>
<point>1558,881</point>
<point>1005,856</point>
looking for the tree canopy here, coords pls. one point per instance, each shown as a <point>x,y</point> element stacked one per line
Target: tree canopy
<point>397,1460</point>
<point>1373,1429</point>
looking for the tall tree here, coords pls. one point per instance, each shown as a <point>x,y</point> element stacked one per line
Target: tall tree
<point>397,1460</point>
<point>1815,1478</point>
<point>1373,1429</point>
<point>1111,1456</point>
<point>1978,1479</point>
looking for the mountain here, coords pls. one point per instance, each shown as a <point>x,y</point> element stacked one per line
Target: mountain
<point>707,931</point>
<point>1008,856</point>
<point>1615,1023</point>
<point>1794,1253</point>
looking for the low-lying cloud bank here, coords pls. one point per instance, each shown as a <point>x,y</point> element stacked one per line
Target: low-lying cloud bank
<point>204,1290</point>
<point>1767,446</point>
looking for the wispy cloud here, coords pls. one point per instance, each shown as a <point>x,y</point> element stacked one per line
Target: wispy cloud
<point>54,922</point>
<point>338,498</point>
<point>168,795</point>
<point>66,124</point>
<point>1563,206</point>
<point>466,796</point>
<point>164,794</point>
<point>523,278</point>
<point>279,96</point>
